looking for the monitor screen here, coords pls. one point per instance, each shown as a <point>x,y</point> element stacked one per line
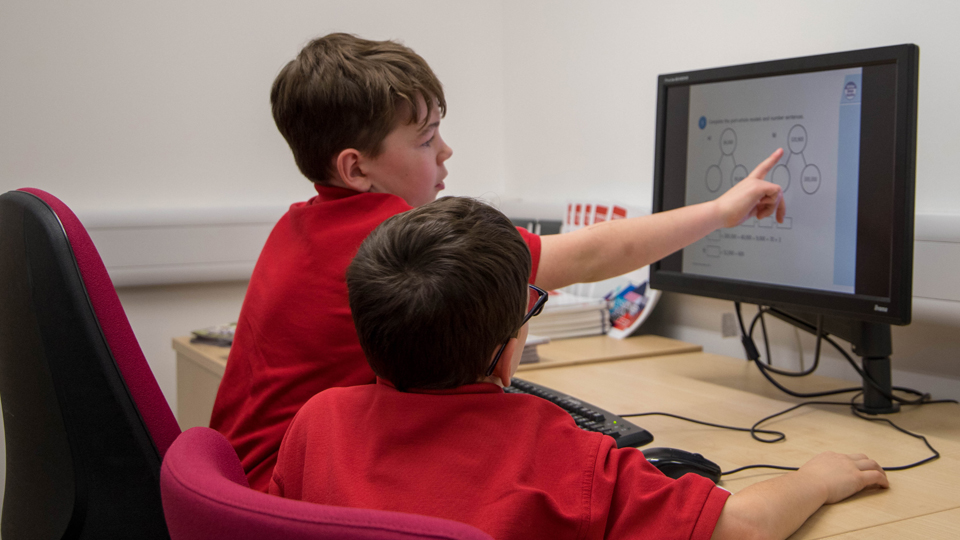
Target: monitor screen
<point>847,126</point>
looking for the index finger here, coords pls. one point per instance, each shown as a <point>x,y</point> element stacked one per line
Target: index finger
<point>764,167</point>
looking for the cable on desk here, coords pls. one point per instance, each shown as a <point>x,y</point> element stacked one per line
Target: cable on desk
<point>753,354</point>
<point>780,436</point>
<point>936,455</point>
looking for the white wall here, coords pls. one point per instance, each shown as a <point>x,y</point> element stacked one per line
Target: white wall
<point>580,81</point>
<point>111,104</point>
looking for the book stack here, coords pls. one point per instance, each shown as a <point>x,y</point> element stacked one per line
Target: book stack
<point>629,296</point>
<point>568,315</point>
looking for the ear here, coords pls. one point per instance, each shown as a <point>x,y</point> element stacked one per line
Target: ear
<point>505,368</point>
<point>349,170</point>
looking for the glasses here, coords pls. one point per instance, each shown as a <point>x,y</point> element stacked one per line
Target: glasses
<point>542,297</point>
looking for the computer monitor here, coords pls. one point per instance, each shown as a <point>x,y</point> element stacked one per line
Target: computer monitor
<point>847,124</point>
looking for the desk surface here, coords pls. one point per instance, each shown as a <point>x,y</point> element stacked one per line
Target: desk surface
<point>212,358</point>
<point>718,389</point>
<point>921,503</point>
<point>589,350</point>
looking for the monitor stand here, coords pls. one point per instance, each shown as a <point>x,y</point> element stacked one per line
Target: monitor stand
<point>871,342</point>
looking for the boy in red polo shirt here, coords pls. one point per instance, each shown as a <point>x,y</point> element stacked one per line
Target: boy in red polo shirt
<point>362,119</point>
<point>438,296</point>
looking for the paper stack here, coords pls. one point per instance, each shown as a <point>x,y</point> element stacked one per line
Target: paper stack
<point>568,315</point>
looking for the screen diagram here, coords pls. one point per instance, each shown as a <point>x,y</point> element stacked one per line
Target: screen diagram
<point>815,118</point>
<point>794,166</point>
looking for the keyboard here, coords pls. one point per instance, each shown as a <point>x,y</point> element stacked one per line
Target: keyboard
<point>588,417</point>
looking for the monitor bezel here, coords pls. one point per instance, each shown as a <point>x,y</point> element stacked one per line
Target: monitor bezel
<point>860,307</point>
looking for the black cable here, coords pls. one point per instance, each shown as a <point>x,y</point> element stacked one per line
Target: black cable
<point>780,436</point>
<point>749,347</point>
<point>820,335</point>
<point>753,354</point>
<point>766,343</point>
<point>789,409</point>
<point>936,455</point>
<point>805,395</point>
<point>853,409</point>
<point>924,397</point>
<point>785,373</point>
<point>766,340</point>
<point>743,331</point>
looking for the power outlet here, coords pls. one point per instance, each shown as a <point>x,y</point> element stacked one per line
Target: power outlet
<point>728,325</point>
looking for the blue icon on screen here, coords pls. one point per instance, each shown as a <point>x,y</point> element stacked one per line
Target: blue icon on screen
<point>703,122</point>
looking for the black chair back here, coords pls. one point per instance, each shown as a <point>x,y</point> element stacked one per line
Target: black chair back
<point>80,461</point>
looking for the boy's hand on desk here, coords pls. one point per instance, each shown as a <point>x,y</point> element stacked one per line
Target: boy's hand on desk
<point>777,507</point>
<point>843,475</point>
<point>753,196</point>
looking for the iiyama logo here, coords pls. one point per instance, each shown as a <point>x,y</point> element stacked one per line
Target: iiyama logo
<point>881,309</point>
<point>676,79</point>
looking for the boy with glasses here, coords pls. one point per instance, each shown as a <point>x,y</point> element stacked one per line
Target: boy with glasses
<point>440,301</point>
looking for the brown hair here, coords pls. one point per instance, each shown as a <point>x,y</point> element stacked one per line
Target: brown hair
<point>342,92</point>
<point>435,290</point>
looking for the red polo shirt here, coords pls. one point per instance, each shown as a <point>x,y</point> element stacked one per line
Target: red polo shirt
<point>514,466</point>
<point>295,335</point>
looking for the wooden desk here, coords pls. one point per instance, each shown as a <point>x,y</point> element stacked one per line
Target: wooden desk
<point>924,502</point>
<point>200,367</point>
<point>921,503</point>
<point>589,350</point>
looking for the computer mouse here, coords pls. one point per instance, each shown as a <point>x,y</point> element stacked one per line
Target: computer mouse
<point>675,463</point>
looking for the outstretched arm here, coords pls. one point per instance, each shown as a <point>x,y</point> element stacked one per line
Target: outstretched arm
<point>777,507</point>
<point>612,248</point>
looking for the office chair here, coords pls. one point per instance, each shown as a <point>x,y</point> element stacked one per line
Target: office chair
<point>206,496</point>
<point>85,422</point>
